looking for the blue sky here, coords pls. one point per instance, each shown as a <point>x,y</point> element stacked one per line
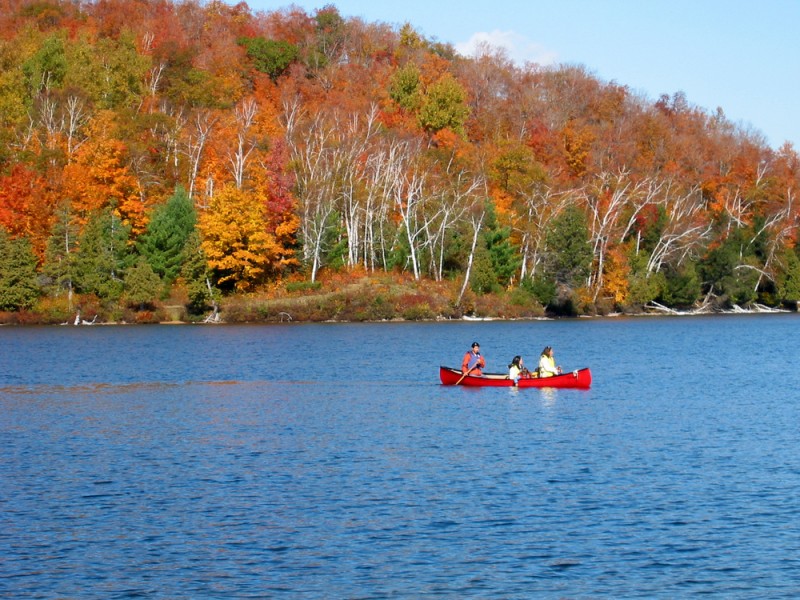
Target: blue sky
<point>742,56</point>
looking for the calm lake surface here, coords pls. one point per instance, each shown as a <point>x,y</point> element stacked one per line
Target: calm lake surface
<point>326,461</point>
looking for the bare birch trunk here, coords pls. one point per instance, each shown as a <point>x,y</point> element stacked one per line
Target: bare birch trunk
<point>476,225</point>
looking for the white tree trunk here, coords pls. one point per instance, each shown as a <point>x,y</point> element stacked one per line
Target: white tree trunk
<point>476,229</point>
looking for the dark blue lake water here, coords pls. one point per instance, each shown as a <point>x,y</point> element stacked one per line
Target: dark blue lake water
<point>326,461</point>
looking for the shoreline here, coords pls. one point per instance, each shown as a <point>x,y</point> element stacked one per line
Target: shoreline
<point>468,319</point>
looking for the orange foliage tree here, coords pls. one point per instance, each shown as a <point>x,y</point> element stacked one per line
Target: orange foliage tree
<point>237,244</point>
<point>26,207</point>
<point>100,177</point>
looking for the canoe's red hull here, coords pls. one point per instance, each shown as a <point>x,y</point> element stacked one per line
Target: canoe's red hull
<point>581,378</point>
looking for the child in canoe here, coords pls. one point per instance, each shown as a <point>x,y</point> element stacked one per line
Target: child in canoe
<point>517,370</point>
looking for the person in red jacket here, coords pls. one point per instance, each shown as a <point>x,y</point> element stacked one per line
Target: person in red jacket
<point>473,361</point>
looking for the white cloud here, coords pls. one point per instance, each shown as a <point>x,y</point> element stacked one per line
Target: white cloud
<point>519,48</point>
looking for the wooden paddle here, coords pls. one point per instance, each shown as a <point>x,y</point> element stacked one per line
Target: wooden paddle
<point>467,373</point>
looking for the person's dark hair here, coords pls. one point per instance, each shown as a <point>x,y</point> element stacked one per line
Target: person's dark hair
<point>515,361</point>
<point>546,350</point>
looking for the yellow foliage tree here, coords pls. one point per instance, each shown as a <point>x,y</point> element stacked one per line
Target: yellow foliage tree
<point>236,241</point>
<point>577,147</point>
<point>615,276</point>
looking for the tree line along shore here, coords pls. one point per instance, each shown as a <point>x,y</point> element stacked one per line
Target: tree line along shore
<point>183,162</point>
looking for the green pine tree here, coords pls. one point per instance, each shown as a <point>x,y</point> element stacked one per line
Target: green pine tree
<point>103,256</point>
<point>142,285</point>
<point>482,279</point>
<point>643,286</point>
<point>789,285</point>
<point>505,257</point>
<point>682,286</point>
<point>60,255</point>
<point>196,274</point>
<point>569,258</point>
<point>731,269</point>
<point>169,227</point>
<point>18,286</point>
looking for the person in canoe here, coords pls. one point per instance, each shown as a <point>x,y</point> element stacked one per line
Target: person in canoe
<point>547,364</point>
<point>473,361</point>
<point>516,369</point>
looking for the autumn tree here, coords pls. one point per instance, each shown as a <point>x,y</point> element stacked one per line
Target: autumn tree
<point>236,243</point>
<point>444,105</point>
<point>323,161</point>
<point>577,142</point>
<point>614,202</point>
<point>354,145</point>
<point>519,188</point>
<point>122,72</point>
<point>272,57</point>
<point>666,240</point>
<point>14,101</point>
<point>25,206</point>
<point>455,188</point>
<point>405,87</point>
<point>99,177</point>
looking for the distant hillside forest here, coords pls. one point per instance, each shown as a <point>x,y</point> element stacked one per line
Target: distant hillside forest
<point>158,154</point>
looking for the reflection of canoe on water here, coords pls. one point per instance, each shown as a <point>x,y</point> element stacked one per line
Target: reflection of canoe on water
<point>581,378</point>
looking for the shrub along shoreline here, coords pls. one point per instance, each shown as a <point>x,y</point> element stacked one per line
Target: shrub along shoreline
<point>341,299</point>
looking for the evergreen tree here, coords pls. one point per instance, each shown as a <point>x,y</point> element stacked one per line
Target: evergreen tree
<point>567,262</point>
<point>542,288</point>
<point>18,286</point>
<point>682,286</point>
<point>643,286</point>
<point>496,259</point>
<point>569,256</point>
<point>197,276</point>
<point>169,227</point>
<point>142,284</point>
<point>731,269</point>
<point>789,284</point>
<point>482,279</point>
<point>103,256</point>
<point>505,257</point>
<point>60,255</point>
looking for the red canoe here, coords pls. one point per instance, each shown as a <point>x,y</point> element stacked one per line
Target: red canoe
<point>581,378</point>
